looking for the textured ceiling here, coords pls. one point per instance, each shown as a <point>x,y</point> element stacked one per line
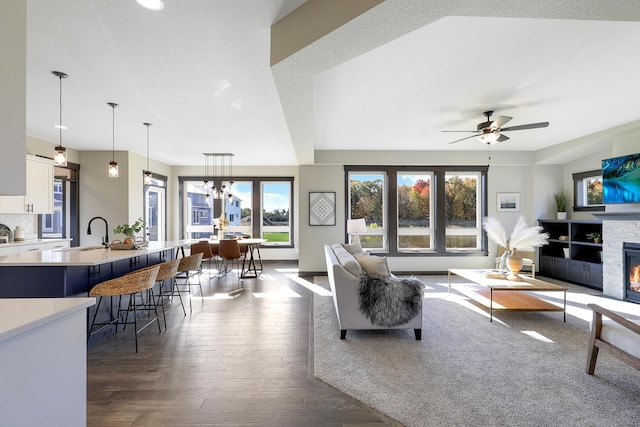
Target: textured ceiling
<point>393,78</point>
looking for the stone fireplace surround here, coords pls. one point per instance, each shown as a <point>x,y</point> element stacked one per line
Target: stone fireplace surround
<point>617,228</point>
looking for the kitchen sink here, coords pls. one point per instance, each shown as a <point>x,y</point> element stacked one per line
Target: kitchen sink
<point>80,249</point>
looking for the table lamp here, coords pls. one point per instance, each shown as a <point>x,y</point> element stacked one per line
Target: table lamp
<point>356,226</point>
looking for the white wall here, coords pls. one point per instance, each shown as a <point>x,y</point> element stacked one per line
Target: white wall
<point>103,196</point>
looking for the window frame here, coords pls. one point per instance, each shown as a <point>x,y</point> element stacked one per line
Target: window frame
<point>579,191</point>
<point>390,211</point>
<point>256,203</point>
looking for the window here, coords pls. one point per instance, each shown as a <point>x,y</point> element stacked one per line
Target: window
<point>415,204</point>
<point>276,208</point>
<point>254,207</point>
<point>462,207</point>
<point>407,212</point>
<point>367,200</point>
<point>588,191</point>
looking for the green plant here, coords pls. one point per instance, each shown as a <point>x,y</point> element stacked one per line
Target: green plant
<point>594,235</point>
<point>561,202</point>
<point>130,230</point>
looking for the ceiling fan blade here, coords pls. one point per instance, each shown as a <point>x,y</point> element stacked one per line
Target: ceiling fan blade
<point>502,138</point>
<point>462,139</point>
<point>500,121</point>
<point>528,126</point>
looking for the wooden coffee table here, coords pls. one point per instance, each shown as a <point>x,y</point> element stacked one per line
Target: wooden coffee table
<point>506,295</point>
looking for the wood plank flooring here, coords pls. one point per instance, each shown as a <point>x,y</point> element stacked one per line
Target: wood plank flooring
<point>245,361</point>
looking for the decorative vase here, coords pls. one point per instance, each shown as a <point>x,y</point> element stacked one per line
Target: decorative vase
<point>562,215</point>
<point>128,240</point>
<point>220,234</point>
<point>514,264</point>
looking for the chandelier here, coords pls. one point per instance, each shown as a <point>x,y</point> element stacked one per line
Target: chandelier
<point>218,167</point>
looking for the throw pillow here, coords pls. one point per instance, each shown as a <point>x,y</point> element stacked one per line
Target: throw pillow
<point>352,249</point>
<point>374,264</point>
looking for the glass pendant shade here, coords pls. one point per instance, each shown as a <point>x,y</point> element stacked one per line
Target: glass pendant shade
<point>113,169</point>
<point>60,153</point>
<point>60,156</point>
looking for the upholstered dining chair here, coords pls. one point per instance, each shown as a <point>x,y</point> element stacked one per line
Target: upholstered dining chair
<point>204,248</point>
<point>230,254</point>
<point>615,335</point>
<point>128,285</point>
<point>189,267</point>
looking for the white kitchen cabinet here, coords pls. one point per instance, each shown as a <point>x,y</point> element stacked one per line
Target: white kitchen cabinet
<point>40,246</point>
<point>39,197</point>
<point>8,250</point>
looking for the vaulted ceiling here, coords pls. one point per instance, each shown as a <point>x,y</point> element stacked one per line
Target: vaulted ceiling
<point>391,78</point>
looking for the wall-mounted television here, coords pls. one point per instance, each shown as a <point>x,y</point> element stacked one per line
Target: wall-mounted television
<point>621,179</point>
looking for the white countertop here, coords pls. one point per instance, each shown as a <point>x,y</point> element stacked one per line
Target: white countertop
<point>31,242</point>
<point>84,256</point>
<point>20,315</point>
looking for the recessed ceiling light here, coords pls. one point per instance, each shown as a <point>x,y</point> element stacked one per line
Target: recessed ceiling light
<point>152,4</point>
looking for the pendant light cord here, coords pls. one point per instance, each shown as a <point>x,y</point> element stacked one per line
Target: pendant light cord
<point>60,122</point>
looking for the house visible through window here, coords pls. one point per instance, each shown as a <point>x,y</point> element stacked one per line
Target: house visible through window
<point>253,207</point>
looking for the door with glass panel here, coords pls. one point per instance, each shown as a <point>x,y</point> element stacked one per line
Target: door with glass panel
<point>155,209</point>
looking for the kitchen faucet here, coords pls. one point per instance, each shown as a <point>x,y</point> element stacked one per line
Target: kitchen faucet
<point>105,239</point>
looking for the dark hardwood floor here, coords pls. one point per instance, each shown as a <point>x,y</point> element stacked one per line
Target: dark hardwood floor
<point>246,361</point>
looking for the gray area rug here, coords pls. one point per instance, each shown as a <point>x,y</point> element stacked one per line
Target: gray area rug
<point>524,369</point>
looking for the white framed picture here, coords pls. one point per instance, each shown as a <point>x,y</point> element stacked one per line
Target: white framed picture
<point>508,202</point>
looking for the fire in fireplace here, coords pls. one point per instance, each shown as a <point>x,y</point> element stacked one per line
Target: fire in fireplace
<point>631,256</point>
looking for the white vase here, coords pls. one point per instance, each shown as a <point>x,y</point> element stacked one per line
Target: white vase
<point>562,215</point>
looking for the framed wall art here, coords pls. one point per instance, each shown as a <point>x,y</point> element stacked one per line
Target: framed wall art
<point>322,208</point>
<point>508,202</point>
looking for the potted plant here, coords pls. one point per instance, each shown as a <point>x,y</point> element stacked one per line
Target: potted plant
<point>130,230</point>
<point>561,205</point>
<point>597,238</point>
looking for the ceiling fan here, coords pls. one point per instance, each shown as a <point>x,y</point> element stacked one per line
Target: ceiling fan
<point>490,132</point>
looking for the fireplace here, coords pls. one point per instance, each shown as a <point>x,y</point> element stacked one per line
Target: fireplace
<point>631,256</point>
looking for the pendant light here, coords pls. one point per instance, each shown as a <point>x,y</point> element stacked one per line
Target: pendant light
<point>147,174</point>
<point>60,153</point>
<point>113,165</point>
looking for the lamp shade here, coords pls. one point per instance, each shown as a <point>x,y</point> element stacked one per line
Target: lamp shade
<point>356,226</point>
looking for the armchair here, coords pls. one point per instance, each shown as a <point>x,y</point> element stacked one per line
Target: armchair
<point>617,335</point>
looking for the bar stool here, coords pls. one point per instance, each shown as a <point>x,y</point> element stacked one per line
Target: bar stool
<point>167,271</point>
<point>129,285</point>
<point>189,266</point>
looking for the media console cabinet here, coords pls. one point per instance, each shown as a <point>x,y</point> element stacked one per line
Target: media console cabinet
<point>571,254</point>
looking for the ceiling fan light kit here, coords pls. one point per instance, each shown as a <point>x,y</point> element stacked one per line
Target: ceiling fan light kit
<point>490,131</point>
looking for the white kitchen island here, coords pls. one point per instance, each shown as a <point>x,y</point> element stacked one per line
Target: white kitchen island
<point>43,361</point>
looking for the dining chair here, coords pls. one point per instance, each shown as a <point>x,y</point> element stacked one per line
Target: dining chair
<point>204,248</point>
<point>129,285</point>
<point>230,254</point>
